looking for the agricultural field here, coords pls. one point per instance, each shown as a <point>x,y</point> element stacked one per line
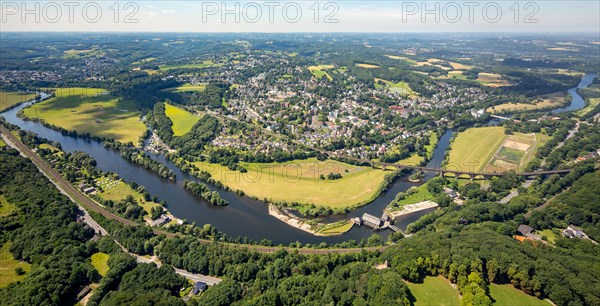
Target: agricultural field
<point>473,148</point>
<point>90,110</point>
<point>318,72</point>
<point>8,266</point>
<point>119,190</point>
<point>298,181</point>
<point>434,291</point>
<point>183,121</point>
<point>516,152</point>
<point>201,65</point>
<point>367,66</point>
<point>507,295</point>
<point>455,74</point>
<point>403,58</point>
<point>100,262</point>
<point>401,87</point>
<point>10,98</point>
<point>543,102</point>
<point>145,60</point>
<point>187,87</point>
<point>76,54</point>
<point>492,80</point>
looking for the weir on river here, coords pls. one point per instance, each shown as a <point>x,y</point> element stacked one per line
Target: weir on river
<point>244,217</point>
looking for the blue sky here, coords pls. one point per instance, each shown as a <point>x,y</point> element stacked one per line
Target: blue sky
<point>302,16</point>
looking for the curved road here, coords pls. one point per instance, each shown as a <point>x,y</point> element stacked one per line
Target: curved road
<point>90,204</point>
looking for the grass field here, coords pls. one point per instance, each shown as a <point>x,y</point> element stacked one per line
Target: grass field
<point>6,208</point>
<point>507,295</point>
<point>183,121</point>
<point>336,228</point>
<point>516,151</point>
<point>100,262</point>
<point>367,66</point>
<point>473,148</point>
<point>8,264</point>
<point>10,98</point>
<point>592,99</point>
<point>401,87</point>
<point>403,58</point>
<point>434,291</point>
<point>548,101</point>
<point>119,190</point>
<point>422,195</point>
<point>549,234</point>
<point>298,181</point>
<point>88,110</point>
<point>454,75</point>
<point>318,72</point>
<point>201,65</point>
<point>187,87</point>
<point>2,143</point>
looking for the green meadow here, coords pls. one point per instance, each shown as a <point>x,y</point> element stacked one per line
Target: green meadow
<point>10,98</point>
<point>183,121</point>
<point>507,295</point>
<point>472,148</point>
<point>90,110</point>
<point>434,291</point>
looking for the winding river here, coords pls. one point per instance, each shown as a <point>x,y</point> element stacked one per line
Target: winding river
<point>244,217</point>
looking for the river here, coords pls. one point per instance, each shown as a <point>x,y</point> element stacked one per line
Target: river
<point>244,217</point>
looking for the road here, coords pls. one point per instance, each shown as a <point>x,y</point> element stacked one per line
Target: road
<point>78,197</point>
<point>515,193</point>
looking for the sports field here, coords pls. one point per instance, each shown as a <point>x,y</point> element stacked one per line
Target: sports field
<point>318,72</point>
<point>183,121</point>
<point>515,152</point>
<point>401,87</point>
<point>473,148</point>
<point>544,102</point>
<point>90,110</point>
<point>298,181</point>
<point>434,291</point>
<point>100,262</point>
<point>187,87</point>
<point>10,98</point>
<point>8,264</point>
<point>507,295</point>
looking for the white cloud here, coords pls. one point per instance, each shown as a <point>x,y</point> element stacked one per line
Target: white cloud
<point>171,11</point>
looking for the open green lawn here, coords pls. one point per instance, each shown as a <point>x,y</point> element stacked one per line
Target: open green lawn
<point>87,110</point>
<point>318,72</point>
<point>592,99</point>
<point>10,98</point>
<point>8,264</point>
<point>100,262</point>
<point>434,291</point>
<point>6,208</point>
<point>511,155</point>
<point>549,234</point>
<point>401,87</point>
<point>298,181</point>
<point>507,295</point>
<point>120,191</point>
<point>472,148</point>
<point>421,195</point>
<point>187,87</point>
<point>336,228</point>
<point>201,65</point>
<point>183,121</point>
<point>2,143</point>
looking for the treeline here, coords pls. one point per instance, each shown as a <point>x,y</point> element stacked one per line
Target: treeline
<point>140,157</point>
<point>44,233</point>
<point>201,190</point>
